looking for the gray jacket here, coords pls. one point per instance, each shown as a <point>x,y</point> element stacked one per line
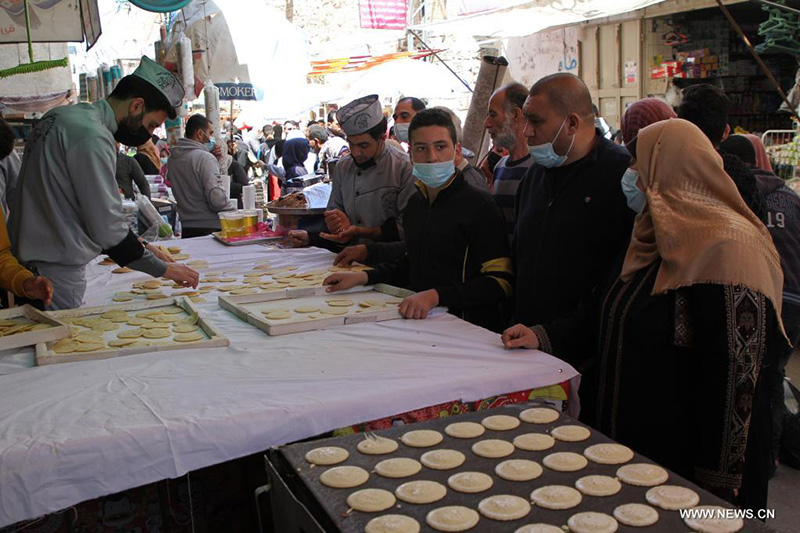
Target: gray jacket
<point>193,173</point>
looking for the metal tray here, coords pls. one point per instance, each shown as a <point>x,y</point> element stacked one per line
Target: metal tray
<point>297,210</point>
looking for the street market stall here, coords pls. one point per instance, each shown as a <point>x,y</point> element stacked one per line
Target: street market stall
<point>76,431</point>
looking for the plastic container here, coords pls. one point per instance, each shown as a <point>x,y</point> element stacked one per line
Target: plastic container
<point>232,223</point>
<point>250,221</point>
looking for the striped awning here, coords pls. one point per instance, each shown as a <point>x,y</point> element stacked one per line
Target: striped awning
<point>364,62</point>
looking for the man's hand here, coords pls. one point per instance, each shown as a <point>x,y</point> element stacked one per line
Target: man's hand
<point>351,254</point>
<point>336,221</point>
<point>182,274</point>
<point>520,336</point>
<point>217,151</point>
<point>343,237</point>
<point>161,253</point>
<point>298,238</point>
<point>344,281</point>
<point>38,288</point>
<point>419,305</point>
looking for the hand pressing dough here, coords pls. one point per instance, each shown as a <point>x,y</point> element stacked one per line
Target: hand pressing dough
<point>183,328</point>
<point>571,433</point>
<point>556,497</point>
<point>642,475</point>
<point>344,477</point>
<point>534,442</point>
<point>326,456</point>
<point>452,518</point>
<point>608,454</point>
<point>504,507</point>
<point>592,523</point>
<point>500,422</point>
<point>493,448</point>
<point>398,468</point>
<point>371,500</point>
<point>465,430</point>
<point>470,482</point>
<point>188,337</point>
<point>598,485</point>
<point>443,459</point>
<point>421,492</point>
<point>422,438</point>
<point>636,515</point>
<point>565,462</point>
<point>156,334</point>
<point>672,497</point>
<point>120,343</point>
<point>539,528</point>
<point>392,523</point>
<point>518,470</point>
<point>713,525</point>
<point>377,446</point>
<point>539,415</point>
<point>130,334</point>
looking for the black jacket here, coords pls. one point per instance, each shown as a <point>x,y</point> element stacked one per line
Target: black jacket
<point>457,245</point>
<point>572,222</point>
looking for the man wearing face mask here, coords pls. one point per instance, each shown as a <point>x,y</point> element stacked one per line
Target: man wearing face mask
<point>572,217</point>
<point>457,254</point>
<point>67,204</point>
<point>370,186</point>
<point>506,124</point>
<point>405,110</point>
<point>193,171</point>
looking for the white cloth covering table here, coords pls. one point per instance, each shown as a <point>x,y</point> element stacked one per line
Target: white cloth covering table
<point>77,431</point>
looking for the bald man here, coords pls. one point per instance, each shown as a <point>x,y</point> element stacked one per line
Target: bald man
<point>572,218</point>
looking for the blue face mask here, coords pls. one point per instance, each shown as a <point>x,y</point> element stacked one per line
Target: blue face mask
<point>434,175</point>
<point>212,142</point>
<point>633,195</point>
<point>401,132</point>
<point>545,155</point>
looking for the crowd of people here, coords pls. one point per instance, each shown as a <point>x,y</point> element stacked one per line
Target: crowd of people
<point>665,269</point>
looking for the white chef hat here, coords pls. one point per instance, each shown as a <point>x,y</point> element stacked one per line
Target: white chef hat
<point>163,80</point>
<point>360,115</point>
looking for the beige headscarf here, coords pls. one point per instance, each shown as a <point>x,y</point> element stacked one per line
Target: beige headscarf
<point>695,219</point>
<point>149,149</point>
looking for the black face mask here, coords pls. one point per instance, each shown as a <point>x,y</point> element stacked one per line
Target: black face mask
<point>369,163</point>
<point>131,132</point>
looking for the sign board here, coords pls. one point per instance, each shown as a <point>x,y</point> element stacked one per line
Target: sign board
<point>238,91</point>
<point>51,21</point>
<point>383,14</point>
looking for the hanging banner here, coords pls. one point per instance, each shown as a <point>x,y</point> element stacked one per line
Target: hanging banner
<point>383,14</point>
<point>238,91</point>
<point>51,21</point>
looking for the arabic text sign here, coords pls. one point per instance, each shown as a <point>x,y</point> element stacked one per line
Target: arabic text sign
<point>51,21</point>
<point>237,91</point>
<point>383,14</point>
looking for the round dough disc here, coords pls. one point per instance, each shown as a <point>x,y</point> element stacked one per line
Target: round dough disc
<point>716,524</point>
<point>636,515</point>
<point>277,315</point>
<point>188,337</point>
<point>306,309</point>
<point>565,462</point>
<point>371,500</point>
<point>334,311</point>
<point>120,343</point>
<point>504,507</point>
<point>156,334</point>
<point>377,446</point>
<point>672,497</point>
<point>571,433</point>
<point>105,327</point>
<point>493,448</point>
<point>108,315</point>
<point>139,321</point>
<point>608,454</point>
<point>556,497</point>
<point>65,346</point>
<point>539,415</point>
<point>518,470</point>
<point>344,477</point>
<point>421,492</point>
<point>166,319</point>
<point>399,467</point>
<point>534,442</point>
<point>592,523</point>
<point>500,422</point>
<point>465,430</point>
<point>470,482</point>
<point>642,475</point>
<point>598,485</point>
<point>90,347</point>
<point>539,528</point>
<point>392,523</point>
<point>87,338</point>
<point>340,303</point>
<point>130,334</point>
<point>244,292</point>
<point>183,328</point>
<point>422,438</point>
<point>443,459</point>
<point>328,455</point>
<point>171,311</point>
<point>452,518</point>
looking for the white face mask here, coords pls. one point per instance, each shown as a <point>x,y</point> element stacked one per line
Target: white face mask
<point>401,131</point>
<point>545,155</point>
<point>633,195</point>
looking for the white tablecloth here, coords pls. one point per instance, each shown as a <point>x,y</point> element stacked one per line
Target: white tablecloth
<point>78,431</point>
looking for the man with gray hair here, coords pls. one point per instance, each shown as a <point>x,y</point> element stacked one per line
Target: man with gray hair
<point>505,123</point>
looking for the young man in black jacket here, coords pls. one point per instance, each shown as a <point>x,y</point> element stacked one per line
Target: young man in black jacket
<point>456,250</point>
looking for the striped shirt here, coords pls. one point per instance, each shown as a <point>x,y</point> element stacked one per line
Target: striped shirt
<point>507,176</point>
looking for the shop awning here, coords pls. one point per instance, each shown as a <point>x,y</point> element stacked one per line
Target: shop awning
<point>363,62</point>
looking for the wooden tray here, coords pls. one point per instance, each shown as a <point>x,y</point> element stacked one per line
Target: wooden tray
<point>214,339</point>
<point>57,330</point>
<point>249,307</point>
